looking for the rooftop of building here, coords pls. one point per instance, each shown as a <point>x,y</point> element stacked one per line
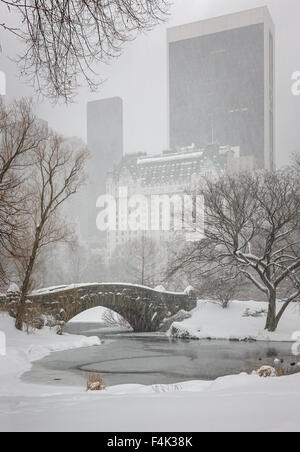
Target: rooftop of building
<point>172,167</point>
<point>221,23</point>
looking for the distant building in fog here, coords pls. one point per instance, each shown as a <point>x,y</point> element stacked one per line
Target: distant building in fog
<point>221,84</point>
<point>171,173</point>
<point>105,144</point>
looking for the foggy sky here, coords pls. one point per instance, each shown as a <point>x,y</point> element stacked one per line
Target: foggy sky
<point>140,78</point>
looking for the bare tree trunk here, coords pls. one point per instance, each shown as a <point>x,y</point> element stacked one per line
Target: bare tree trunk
<point>20,314</point>
<point>26,283</point>
<point>272,322</point>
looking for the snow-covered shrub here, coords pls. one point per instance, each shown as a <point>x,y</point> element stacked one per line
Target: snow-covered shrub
<point>255,313</point>
<point>267,372</point>
<point>49,321</point>
<point>112,319</point>
<point>280,368</point>
<point>222,288</point>
<point>95,382</point>
<point>33,319</point>
<point>180,332</point>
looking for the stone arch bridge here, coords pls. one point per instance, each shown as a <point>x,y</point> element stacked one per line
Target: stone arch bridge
<point>145,309</point>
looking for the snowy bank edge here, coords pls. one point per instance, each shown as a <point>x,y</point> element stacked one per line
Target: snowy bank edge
<point>23,349</point>
<point>208,313</point>
<point>37,352</point>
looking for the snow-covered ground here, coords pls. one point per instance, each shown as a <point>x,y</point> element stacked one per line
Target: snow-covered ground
<point>210,320</point>
<point>22,349</point>
<point>239,403</point>
<point>236,403</point>
<point>93,315</point>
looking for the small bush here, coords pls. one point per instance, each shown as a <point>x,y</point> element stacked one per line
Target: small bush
<point>267,372</point>
<point>95,382</point>
<point>222,288</point>
<point>280,368</point>
<point>254,313</point>
<point>112,319</point>
<point>33,318</point>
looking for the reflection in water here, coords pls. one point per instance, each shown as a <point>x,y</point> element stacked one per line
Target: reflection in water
<point>153,359</point>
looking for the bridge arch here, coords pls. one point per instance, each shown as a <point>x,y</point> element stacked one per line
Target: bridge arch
<point>106,318</point>
<point>143,308</point>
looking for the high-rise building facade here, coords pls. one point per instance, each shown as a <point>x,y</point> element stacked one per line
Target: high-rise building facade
<point>221,84</point>
<point>172,174</point>
<point>105,144</point>
<point>2,83</point>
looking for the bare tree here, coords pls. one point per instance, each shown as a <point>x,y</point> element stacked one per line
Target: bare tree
<point>20,135</point>
<point>112,319</point>
<point>78,258</point>
<point>58,174</point>
<point>64,38</point>
<point>221,287</point>
<point>140,261</point>
<point>252,229</point>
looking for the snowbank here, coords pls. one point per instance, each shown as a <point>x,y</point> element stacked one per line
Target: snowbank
<point>231,404</point>
<point>210,320</point>
<point>22,349</point>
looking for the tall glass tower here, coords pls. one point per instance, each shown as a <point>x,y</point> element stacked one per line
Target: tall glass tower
<point>221,84</point>
<point>105,144</point>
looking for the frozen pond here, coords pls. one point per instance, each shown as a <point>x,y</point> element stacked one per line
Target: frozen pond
<point>153,359</point>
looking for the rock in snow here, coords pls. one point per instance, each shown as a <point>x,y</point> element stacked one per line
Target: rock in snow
<point>179,317</point>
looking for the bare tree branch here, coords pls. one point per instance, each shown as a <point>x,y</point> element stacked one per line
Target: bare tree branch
<point>252,229</point>
<point>64,39</point>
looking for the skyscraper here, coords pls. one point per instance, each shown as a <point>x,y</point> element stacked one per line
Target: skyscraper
<point>2,83</point>
<point>105,144</point>
<point>221,84</point>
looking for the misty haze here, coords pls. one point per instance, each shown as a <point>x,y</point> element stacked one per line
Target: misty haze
<point>149,218</point>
